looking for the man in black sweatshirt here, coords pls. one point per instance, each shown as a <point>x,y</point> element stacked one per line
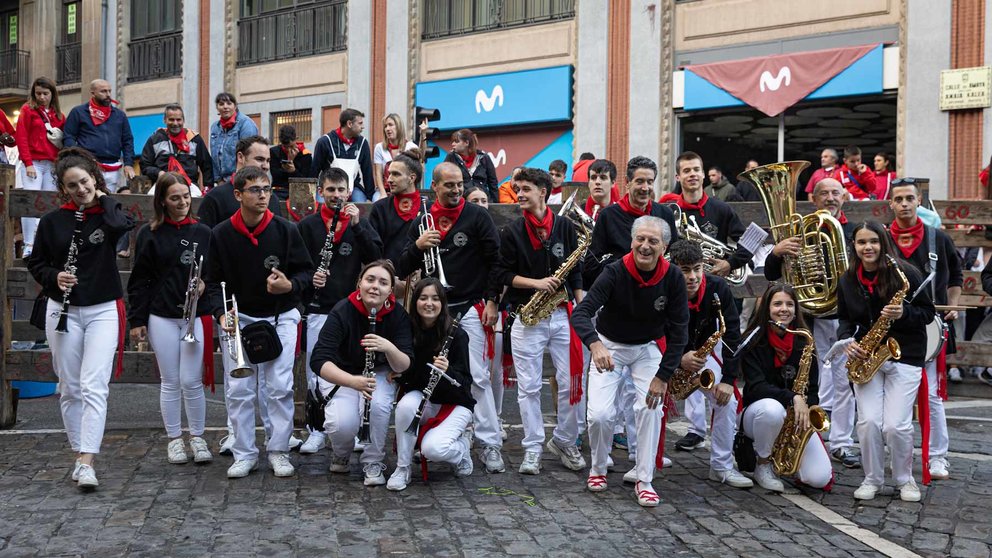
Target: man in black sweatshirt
<point>531,250</point>
<point>260,260</point>
<point>640,299</point>
<point>220,203</point>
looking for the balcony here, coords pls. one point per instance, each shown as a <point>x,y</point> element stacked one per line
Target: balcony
<point>294,33</point>
<point>156,57</point>
<point>69,62</point>
<point>14,67</point>
<point>448,18</point>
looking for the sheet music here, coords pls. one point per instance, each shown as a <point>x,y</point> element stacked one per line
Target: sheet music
<point>753,237</point>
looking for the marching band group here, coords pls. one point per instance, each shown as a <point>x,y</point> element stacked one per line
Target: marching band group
<point>412,314</point>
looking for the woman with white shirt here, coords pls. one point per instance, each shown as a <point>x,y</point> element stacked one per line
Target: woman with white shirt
<point>395,143</point>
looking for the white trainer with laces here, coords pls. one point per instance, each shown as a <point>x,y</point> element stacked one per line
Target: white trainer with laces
<point>374,474</point>
<point>732,477</point>
<point>87,477</point>
<point>764,475</point>
<point>492,460</point>
<point>242,468</point>
<point>226,445</point>
<point>939,468</point>
<point>867,491</point>
<point>531,464</point>
<point>75,470</point>
<point>569,454</point>
<point>281,466</point>
<point>909,492</point>
<point>315,442</point>
<point>399,479</point>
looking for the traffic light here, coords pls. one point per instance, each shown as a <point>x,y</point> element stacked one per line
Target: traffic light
<point>427,134</point>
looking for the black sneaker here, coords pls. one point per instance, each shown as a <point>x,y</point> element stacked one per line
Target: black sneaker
<point>690,442</point>
<point>847,458</point>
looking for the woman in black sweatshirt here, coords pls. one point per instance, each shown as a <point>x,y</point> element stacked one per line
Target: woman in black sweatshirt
<point>167,250</point>
<point>448,412</point>
<point>75,262</point>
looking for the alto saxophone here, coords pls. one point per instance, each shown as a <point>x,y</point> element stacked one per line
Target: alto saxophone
<point>683,382</point>
<point>790,443</point>
<point>874,343</point>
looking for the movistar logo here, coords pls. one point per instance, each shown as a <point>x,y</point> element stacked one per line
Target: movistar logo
<point>487,103</point>
<point>499,158</point>
<point>774,82</point>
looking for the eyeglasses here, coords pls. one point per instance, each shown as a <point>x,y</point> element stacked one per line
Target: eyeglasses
<point>258,190</point>
<point>905,180</point>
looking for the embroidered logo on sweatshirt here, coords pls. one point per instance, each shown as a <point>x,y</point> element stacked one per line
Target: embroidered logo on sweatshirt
<point>270,262</point>
<point>660,303</point>
<point>344,249</point>
<point>460,239</point>
<point>97,237</point>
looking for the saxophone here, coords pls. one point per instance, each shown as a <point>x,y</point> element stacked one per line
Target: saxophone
<point>542,304</point>
<point>874,343</point>
<point>683,382</point>
<point>790,443</point>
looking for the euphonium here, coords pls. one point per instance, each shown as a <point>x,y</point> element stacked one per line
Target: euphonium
<point>874,343</point>
<point>790,443</point>
<point>712,248</point>
<point>683,382</point>
<point>816,272</point>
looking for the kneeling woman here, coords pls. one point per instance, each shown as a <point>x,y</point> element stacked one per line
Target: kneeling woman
<point>782,378</point>
<point>868,294</point>
<point>448,411</point>
<point>357,365</point>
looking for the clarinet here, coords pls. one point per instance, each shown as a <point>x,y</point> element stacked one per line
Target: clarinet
<point>70,268</point>
<point>365,431</point>
<point>436,375</point>
<point>327,252</point>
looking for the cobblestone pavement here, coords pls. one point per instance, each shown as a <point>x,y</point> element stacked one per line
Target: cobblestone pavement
<point>145,506</point>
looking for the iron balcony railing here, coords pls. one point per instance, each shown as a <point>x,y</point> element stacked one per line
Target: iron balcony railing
<point>156,56</point>
<point>69,61</point>
<point>304,31</point>
<point>446,18</point>
<point>14,66</point>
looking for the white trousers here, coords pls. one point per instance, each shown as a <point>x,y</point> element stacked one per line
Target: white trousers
<point>496,371</point>
<point>113,179</point>
<point>825,335</point>
<point>836,393</point>
<point>180,365</point>
<point>273,381</point>
<point>443,443</point>
<point>939,440</point>
<point>44,180</point>
<point>762,421</point>
<point>343,417</point>
<point>885,418</point>
<point>528,346</point>
<point>83,359</point>
<point>724,422</point>
<point>486,420</point>
<point>604,388</point>
<point>695,413</point>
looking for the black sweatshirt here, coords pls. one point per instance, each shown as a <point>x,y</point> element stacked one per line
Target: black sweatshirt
<point>633,315</point>
<point>703,323</point>
<point>724,225</point>
<point>469,254</point>
<point>359,245</point>
<point>96,259</point>
<point>858,310</point>
<point>418,375</point>
<point>763,380</point>
<point>219,204</point>
<point>161,269</point>
<point>948,265</point>
<point>518,257</point>
<point>246,267</point>
<point>159,148</point>
<point>611,238</point>
<point>340,338</point>
<point>391,228</point>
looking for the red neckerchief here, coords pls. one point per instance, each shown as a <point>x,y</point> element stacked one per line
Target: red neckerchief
<point>327,213</point>
<point>446,217</point>
<point>659,271</point>
<point>99,113</point>
<point>239,225</point>
<point>469,160</point>
<point>347,142</point>
<point>841,218</point>
<point>694,306</point>
<point>624,204</point>
<point>299,148</point>
<point>781,345</point>
<point>186,221</point>
<point>908,239</point>
<point>356,301</point>
<point>392,147</point>
<point>556,190</point>
<point>407,205</point>
<point>180,140</point>
<point>866,282</point>
<point>533,226</point>
<point>591,203</point>
<point>95,210</point>
<point>679,200</point>
<point>176,167</point>
<point>228,123</point>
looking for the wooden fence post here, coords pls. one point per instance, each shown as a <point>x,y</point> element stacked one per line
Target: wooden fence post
<point>7,415</point>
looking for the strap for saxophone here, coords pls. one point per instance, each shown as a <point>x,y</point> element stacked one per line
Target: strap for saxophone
<point>931,268</point>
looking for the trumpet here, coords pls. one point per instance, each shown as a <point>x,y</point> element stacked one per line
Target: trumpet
<point>432,257</point>
<point>192,296</point>
<point>235,348</point>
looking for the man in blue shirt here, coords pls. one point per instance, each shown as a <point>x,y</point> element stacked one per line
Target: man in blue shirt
<point>104,131</point>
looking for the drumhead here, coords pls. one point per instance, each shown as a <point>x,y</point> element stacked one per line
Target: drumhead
<point>936,337</point>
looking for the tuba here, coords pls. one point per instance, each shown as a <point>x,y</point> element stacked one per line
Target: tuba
<point>712,248</point>
<point>815,273</point>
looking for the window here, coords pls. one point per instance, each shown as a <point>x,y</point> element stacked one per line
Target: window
<point>445,18</point>
<point>156,39</point>
<point>151,17</point>
<point>302,120</point>
<point>68,51</point>
<point>281,29</point>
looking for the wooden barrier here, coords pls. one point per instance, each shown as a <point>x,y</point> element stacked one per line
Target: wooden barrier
<point>140,367</point>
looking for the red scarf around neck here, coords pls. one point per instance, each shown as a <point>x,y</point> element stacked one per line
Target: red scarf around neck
<point>629,209</point>
<point>407,205</point>
<point>99,113</point>
<point>841,218</point>
<point>180,140</point>
<point>446,217</point>
<point>239,225</point>
<point>392,147</point>
<point>695,306</point>
<point>659,271</point>
<point>534,226</point>
<point>591,203</point>
<point>469,160</point>
<point>228,123</point>
<point>356,300</point>
<point>867,283</point>
<point>556,190</point>
<point>679,200</point>
<point>95,210</point>
<point>345,140</point>
<point>327,214</point>
<point>908,239</point>
<point>781,345</point>
<point>185,221</point>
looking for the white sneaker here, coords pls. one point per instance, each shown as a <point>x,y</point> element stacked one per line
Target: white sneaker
<point>75,471</point>
<point>315,442</point>
<point>281,466</point>
<point>954,376</point>
<point>531,464</point>
<point>359,446</point>
<point>240,469</point>
<point>201,452</point>
<point>294,442</point>
<point>226,443</point>
<point>570,456</point>
<point>87,477</point>
<point>732,477</point>
<point>502,430</point>
<point>666,463</point>
<point>177,451</point>
<point>909,492</point>
<point>939,469</point>
<point>764,475</point>
<point>867,491</point>
<point>493,460</point>
<point>609,463</point>
<point>340,464</point>
<point>374,474</point>
<point>399,479</point>
<point>465,466</point>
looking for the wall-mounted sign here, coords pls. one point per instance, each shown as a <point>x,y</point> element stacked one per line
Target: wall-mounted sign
<point>70,19</point>
<point>12,40</point>
<point>966,88</point>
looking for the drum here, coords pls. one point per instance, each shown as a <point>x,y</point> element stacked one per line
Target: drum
<point>936,337</point>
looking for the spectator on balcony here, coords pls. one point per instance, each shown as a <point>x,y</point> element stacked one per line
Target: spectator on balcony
<point>348,150</point>
<point>225,134</point>
<point>395,142</point>
<point>102,129</point>
<point>476,165</point>
<point>884,174</point>
<point>177,149</point>
<point>36,151</point>
<point>290,159</point>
